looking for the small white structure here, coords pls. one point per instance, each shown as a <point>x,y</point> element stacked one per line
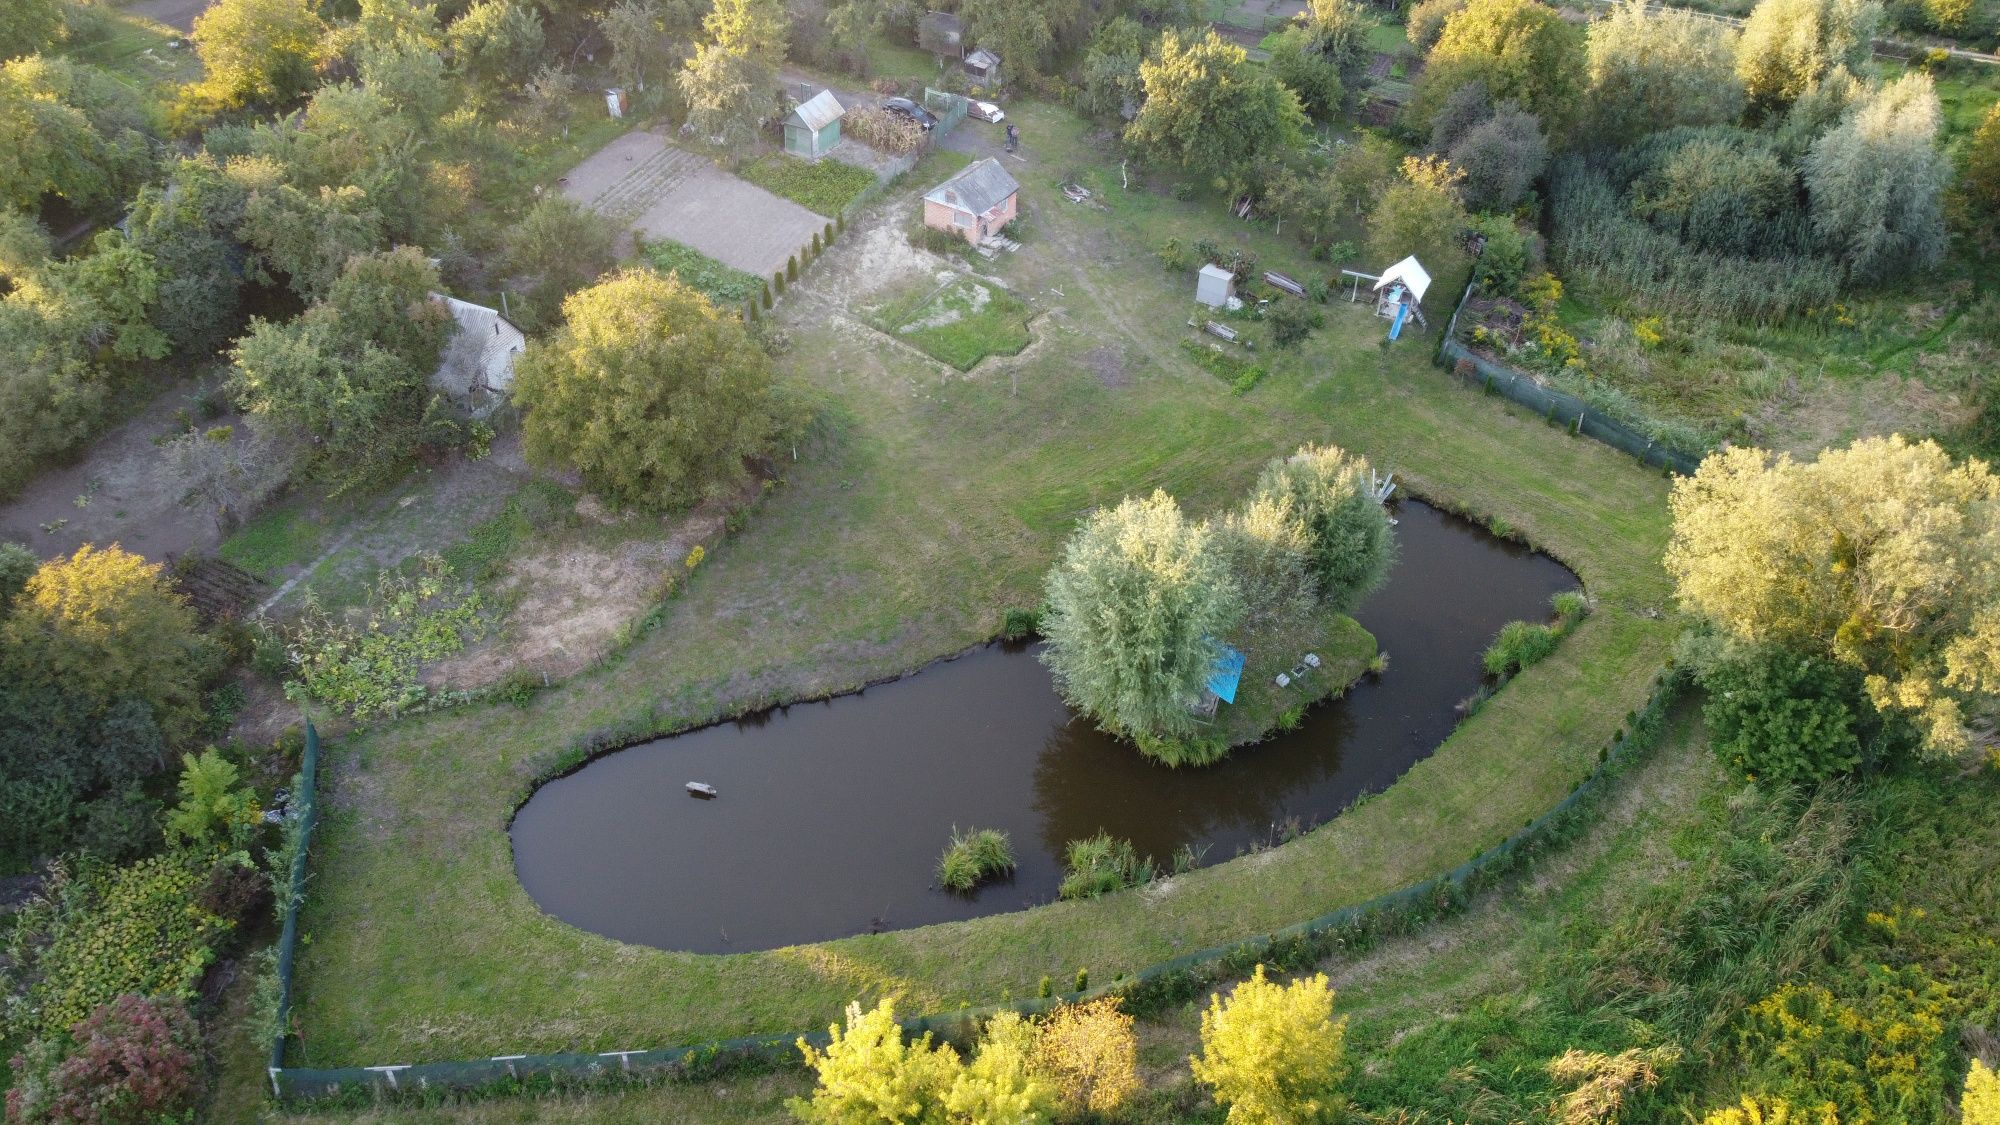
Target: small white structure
<point>1406,279</point>
<point>477,367</point>
<point>1214,286</point>
<point>614,100</point>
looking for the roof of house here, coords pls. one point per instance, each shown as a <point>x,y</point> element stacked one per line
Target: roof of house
<point>983,59</point>
<point>1410,272</point>
<point>819,111</point>
<point>1227,673</point>
<point>481,354</point>
<point>945,22</point>
<point>979,188</point>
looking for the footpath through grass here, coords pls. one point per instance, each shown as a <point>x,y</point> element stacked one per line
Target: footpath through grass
<point>917,514</point>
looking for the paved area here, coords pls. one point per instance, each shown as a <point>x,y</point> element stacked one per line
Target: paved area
<point>643,182</point>
<point>177,14</point>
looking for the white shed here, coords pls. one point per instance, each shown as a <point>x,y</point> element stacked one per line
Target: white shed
<point>1214,286</point>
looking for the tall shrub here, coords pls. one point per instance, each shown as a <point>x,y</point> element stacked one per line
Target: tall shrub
<point>1272,1053</point>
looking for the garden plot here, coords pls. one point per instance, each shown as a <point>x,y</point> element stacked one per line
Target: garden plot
<point>960,322</point>
<point>643,183</point>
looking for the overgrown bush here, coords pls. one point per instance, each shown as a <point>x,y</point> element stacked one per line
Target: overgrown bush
<point>1326,488</point>
<point>974,857</point>
<point>1019,624</point>
<point>869,1073</point>
<point>880,129</point>
<point>131,1061</point>
<point>1784,716</point>
<point>107,931</point>
<point>1292,321</point>
<point>1091,1055</point>
<point>373,669</point>
<point>1101,864</point>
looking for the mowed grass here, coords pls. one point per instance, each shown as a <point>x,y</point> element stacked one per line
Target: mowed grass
<point>824,187</point>
<point>919,510</point>
<point>960,323</point>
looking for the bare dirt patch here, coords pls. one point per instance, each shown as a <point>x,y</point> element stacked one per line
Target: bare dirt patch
<point>1109,367</point>
<point>116,493</point>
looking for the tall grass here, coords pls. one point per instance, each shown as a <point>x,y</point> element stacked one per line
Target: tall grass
<point>1597,237</point>
<point>1101,864</point>
<point>973,857</point>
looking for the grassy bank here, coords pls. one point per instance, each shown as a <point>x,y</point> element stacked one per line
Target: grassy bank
<point>1262,708</point>
<point>919,510</point>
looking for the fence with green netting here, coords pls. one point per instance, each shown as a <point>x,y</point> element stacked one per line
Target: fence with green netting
<point>1181,977</point>
<point>304,814</point>
<point>1566,410</point>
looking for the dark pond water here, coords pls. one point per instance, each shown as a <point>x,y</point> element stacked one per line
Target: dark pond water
<point>832,815</point>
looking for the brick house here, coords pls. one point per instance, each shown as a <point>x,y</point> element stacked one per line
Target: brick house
<point>973,204</point>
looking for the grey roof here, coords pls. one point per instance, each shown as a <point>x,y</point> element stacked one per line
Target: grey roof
<point>819,111</point>
<point>983,59</point>
<point>979,188</point>
<point>945,23</point>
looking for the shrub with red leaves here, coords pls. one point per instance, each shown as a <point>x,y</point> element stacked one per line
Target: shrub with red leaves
<point>133,1061</point>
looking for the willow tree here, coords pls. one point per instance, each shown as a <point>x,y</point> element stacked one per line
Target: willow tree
<point>648,390</point>
<point>1876,182</point>
<point>1135,609</point>
<point>1349,547</point>
<point>1883,557</point>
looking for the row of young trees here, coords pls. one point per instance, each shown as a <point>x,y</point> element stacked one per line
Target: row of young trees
<point>1271,1053</point>
<point>1137,610</point>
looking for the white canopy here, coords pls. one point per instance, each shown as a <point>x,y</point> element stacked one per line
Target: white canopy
<point>1411,273</point>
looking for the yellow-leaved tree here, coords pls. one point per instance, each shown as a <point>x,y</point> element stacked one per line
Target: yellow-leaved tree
<point>1273,1052</point>
<point>1770,1111</point>
<point>1091,1055</point>
<point>1883,556</point>
<point>869,1074</point>
<point>1981,1103</point>
<point>1000,1085</point>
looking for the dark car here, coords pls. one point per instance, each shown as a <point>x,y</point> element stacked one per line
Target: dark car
<point>910,111</point>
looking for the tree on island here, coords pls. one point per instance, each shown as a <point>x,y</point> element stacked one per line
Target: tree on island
<point>1135,609</point>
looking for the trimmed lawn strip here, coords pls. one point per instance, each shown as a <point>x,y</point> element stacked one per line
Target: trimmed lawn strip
<point>824,187</point>
<point>422,944</point>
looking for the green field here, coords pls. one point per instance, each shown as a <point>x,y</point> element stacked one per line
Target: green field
<point>960,323</point>
<point>918,511</point>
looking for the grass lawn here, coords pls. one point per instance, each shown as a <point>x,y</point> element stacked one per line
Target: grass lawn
<point>824,187</point>
<point>960,323</point>
<point>1262,708</point>
<point>725,285</point>
<point>918,512</point>
<point>281,537</point>
<point>133,50</point>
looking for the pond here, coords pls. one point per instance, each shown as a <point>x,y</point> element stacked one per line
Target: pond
<point>831,815</point>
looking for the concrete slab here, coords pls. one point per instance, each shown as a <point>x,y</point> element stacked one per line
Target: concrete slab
<point>644,182</point>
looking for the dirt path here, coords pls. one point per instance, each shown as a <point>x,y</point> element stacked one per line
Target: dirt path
<point>116,493</point>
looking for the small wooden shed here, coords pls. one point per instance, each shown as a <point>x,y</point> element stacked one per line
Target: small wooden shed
<point>983,66</point>
<point>813,126</point>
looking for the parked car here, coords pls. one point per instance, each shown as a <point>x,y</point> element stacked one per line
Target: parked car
<point>986,111</point>
<point>910,111</point>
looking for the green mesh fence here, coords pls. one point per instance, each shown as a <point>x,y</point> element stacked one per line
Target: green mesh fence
<point>1574,414</point>
<point>950,109</point>
<point>1296,944</point>
<point>305,807</point>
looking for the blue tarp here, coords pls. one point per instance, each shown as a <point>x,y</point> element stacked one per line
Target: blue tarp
<point>1228,672</point>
